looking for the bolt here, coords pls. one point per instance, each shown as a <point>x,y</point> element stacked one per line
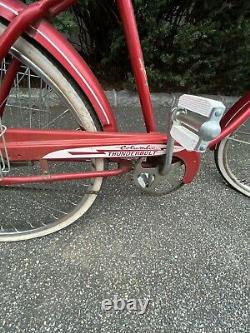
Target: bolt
<point>218,114</point>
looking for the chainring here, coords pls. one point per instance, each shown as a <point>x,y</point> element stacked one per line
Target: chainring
<point>151,182</point>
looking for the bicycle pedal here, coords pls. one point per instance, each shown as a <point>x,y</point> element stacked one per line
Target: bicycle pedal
<point>196,122</point>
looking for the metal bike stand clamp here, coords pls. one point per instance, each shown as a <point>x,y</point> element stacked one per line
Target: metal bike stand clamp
<point>4,157</point>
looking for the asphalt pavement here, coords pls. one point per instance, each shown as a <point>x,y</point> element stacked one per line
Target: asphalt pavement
<point>185,253</point>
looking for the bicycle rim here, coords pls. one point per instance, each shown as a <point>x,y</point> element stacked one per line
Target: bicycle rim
<point>43,97</point>
<point>233,159</point>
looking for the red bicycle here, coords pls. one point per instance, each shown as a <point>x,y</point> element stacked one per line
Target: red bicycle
<point>57,128</point>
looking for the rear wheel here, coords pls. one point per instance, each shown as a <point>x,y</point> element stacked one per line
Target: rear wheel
<point>232,158</point>
<point>44,97</point>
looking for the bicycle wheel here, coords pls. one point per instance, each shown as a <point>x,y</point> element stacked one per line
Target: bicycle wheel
<point>232,158</point>
<point>45,97</point>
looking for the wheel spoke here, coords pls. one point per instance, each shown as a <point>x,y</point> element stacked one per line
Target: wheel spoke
<point>239,141</point>
<point>39,101</point>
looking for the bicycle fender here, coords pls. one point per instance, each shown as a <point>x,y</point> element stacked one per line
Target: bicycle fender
<point>236,116</point>
<point>60,49</point>
<point>192,162</point>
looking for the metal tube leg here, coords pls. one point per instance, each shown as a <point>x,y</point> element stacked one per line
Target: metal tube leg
<point>164,171</point>
<point>169,156</point>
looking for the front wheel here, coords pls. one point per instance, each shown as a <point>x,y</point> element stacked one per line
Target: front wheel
<point>232,158</point>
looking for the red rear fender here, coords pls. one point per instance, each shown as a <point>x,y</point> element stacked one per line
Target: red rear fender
<point>52,41</point>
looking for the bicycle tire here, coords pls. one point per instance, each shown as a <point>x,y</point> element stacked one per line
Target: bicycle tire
<point>232,158</point>
<point>37,61</point>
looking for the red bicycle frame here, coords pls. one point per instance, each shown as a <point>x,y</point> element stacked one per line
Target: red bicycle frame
<point>39,143</point>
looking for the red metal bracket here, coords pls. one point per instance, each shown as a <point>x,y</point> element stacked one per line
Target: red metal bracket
<point>21,22</point>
